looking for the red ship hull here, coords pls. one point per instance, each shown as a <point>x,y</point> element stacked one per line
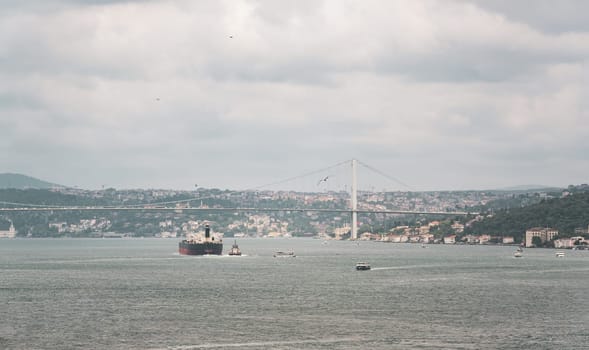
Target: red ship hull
<point>206,248</point>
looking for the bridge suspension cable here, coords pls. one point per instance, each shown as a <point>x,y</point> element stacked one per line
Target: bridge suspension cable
<point>392,178</point>
<point>290,179</point>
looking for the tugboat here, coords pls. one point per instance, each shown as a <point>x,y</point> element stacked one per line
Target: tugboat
<point>197,244</point>
<point>235,249</point>
<point>361,266</point>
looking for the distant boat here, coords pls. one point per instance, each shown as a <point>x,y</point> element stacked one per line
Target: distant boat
<point>235,249</point>
<point>281,254</point>
<point>559,254</point>
<point>518,254</point>
<point>362,266</point>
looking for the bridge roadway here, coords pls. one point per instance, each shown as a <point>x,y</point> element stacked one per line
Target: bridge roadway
<point>137,208</point>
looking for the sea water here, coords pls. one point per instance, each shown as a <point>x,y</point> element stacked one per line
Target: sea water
<point>140,294</point>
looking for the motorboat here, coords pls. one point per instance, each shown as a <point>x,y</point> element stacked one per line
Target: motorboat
<point>559,254</point>
<point>361,266</point>
<point>281,254</point>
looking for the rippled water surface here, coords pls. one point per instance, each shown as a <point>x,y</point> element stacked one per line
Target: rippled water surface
<point>140,294</point>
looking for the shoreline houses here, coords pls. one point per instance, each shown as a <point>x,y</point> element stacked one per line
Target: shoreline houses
<point>7,231</point>
<point>569,243</point>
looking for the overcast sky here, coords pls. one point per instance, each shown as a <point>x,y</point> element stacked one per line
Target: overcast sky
<point>441,95</point>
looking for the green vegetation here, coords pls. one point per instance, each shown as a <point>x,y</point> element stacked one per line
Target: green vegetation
<point>537,241</point>
<point>564,214</point>
<point>19,181</point>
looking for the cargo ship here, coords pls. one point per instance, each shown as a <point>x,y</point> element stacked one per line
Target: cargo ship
<point>197,244</point>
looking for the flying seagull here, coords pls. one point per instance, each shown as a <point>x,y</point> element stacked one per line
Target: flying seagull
<point>322,180</point>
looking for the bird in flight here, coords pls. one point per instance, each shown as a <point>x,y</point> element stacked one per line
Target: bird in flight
<point>322,180</point>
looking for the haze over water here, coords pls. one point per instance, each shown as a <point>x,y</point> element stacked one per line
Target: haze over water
<point>140,294</point>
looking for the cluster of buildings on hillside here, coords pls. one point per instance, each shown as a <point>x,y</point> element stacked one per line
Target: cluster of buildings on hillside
<point>84,225</point>
<point>398,200</point>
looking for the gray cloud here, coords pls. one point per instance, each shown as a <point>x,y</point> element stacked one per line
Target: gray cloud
<point>543,15</point>
<point>440,94</point>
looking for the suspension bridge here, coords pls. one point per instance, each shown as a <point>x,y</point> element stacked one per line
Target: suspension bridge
<point>353,210</point>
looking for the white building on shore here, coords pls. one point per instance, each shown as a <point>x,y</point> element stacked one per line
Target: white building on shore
<point>544,233</point>
<point>7,232</point>
<point>568,242</point>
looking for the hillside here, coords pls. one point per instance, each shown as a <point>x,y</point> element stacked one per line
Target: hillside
<point>565,214</point>
<point>19,181</point>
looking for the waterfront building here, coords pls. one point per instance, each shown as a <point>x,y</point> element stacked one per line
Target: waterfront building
<point>428,238</point>
<point>7,231</point>
<point>471,239</point>
<point>450,239</point>
<point>564,243</point>
<point>484,239</point>
<point>508,240</point>
<point>545,234</point>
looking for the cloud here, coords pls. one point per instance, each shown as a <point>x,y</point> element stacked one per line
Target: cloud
<point>543,15</point>
<point>444,94</point>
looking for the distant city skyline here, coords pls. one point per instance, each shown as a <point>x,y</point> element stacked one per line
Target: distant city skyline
<point>441,95</point>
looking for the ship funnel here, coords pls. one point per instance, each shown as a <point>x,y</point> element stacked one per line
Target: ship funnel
<point>207,231</point>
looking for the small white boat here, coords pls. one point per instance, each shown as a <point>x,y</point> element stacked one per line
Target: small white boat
<point>559,254</point>
<point>281,254</point>
<point>361,266</point>
<point>518,254</point>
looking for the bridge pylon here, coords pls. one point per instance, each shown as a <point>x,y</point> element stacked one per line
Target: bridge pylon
<point>354,201</point>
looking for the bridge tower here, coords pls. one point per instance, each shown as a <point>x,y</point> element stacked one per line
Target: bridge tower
<point>354,202</point>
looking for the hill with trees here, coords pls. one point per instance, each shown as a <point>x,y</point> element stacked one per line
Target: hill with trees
<point>19,181</point>
<point>564,214</point>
